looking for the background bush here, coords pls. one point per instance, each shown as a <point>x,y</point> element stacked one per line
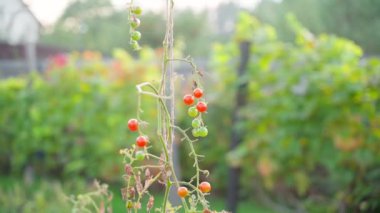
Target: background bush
<point>72,119</point>
<point>311,125</point>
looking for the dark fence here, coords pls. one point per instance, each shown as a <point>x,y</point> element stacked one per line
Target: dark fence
<point>13,62</point>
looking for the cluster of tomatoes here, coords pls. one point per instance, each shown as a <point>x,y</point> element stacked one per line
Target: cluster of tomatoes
<point>204,187</point>
<point>141,141</point>
<point>135,23</point>
<point>199,129</point>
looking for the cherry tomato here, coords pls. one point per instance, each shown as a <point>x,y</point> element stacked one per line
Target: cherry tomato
<point>196,132</point>
<point>133,125</point>
<point>136,35</point>
<point>196,123</point>
<point>188,99</point>
<point>202,106</point>
<point>140,155</point>
<point>205,187</point>
<point>142,141</point>
<point>135,22</point>
<point>135,45</point>
<point>136,10</point>
<point>203,132</point>
<point>192,112</point>
<point>182,192</point>
<point>198,93</point>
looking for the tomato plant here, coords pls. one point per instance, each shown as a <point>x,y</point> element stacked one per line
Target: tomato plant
<point>164,137</point>
<point>310,120</point>
<point>135,35</point>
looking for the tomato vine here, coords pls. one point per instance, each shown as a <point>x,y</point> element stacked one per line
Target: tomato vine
<point>192,193</point>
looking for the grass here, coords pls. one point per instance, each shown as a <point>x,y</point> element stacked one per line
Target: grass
<point>40,189</point>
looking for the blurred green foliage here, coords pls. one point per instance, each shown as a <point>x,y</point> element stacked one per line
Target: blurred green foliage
<point>356,20</point>
<point>311,125</point>
<point>72,120</point>
<point>42,197</point>
<point>97,25</point>
<point>89,25</point>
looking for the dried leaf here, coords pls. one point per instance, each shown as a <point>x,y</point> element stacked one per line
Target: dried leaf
<point>124,193</point>
<point>138,205</point>
<point>131,192</point>
<point>128,169</point>
<point>147,173</point>
<point>150,203</point>
<point>139,185</point>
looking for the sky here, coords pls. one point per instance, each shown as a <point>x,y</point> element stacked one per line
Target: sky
<point>48,11</point>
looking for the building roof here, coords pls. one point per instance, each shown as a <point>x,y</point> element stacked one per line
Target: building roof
<point>31,13</point>
<point>18,24</point>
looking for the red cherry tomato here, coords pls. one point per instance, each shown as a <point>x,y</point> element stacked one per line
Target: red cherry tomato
<point>205,187</point>
<point>202,106</point>
<point>142,141</point>
<point>188,99</point>
<point>182,192</point>
<point>198,93</point>
<point>133,125</point>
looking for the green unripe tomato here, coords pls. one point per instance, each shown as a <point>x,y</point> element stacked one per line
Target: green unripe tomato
<point>136,35</point>
<point>203,132</point>
<point>140,155</point>
<point>195,132</point>
<point>135,45</point>
<point>135,22</point>
<point>192,112</point>
<point>136,10</point>
<point>196,123</point>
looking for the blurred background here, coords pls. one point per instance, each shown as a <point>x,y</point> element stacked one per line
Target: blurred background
<point>293,88</point>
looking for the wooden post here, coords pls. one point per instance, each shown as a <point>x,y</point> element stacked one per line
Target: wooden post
<point>31,56</point>
<point>169,90</point>
<point>236,136</point>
